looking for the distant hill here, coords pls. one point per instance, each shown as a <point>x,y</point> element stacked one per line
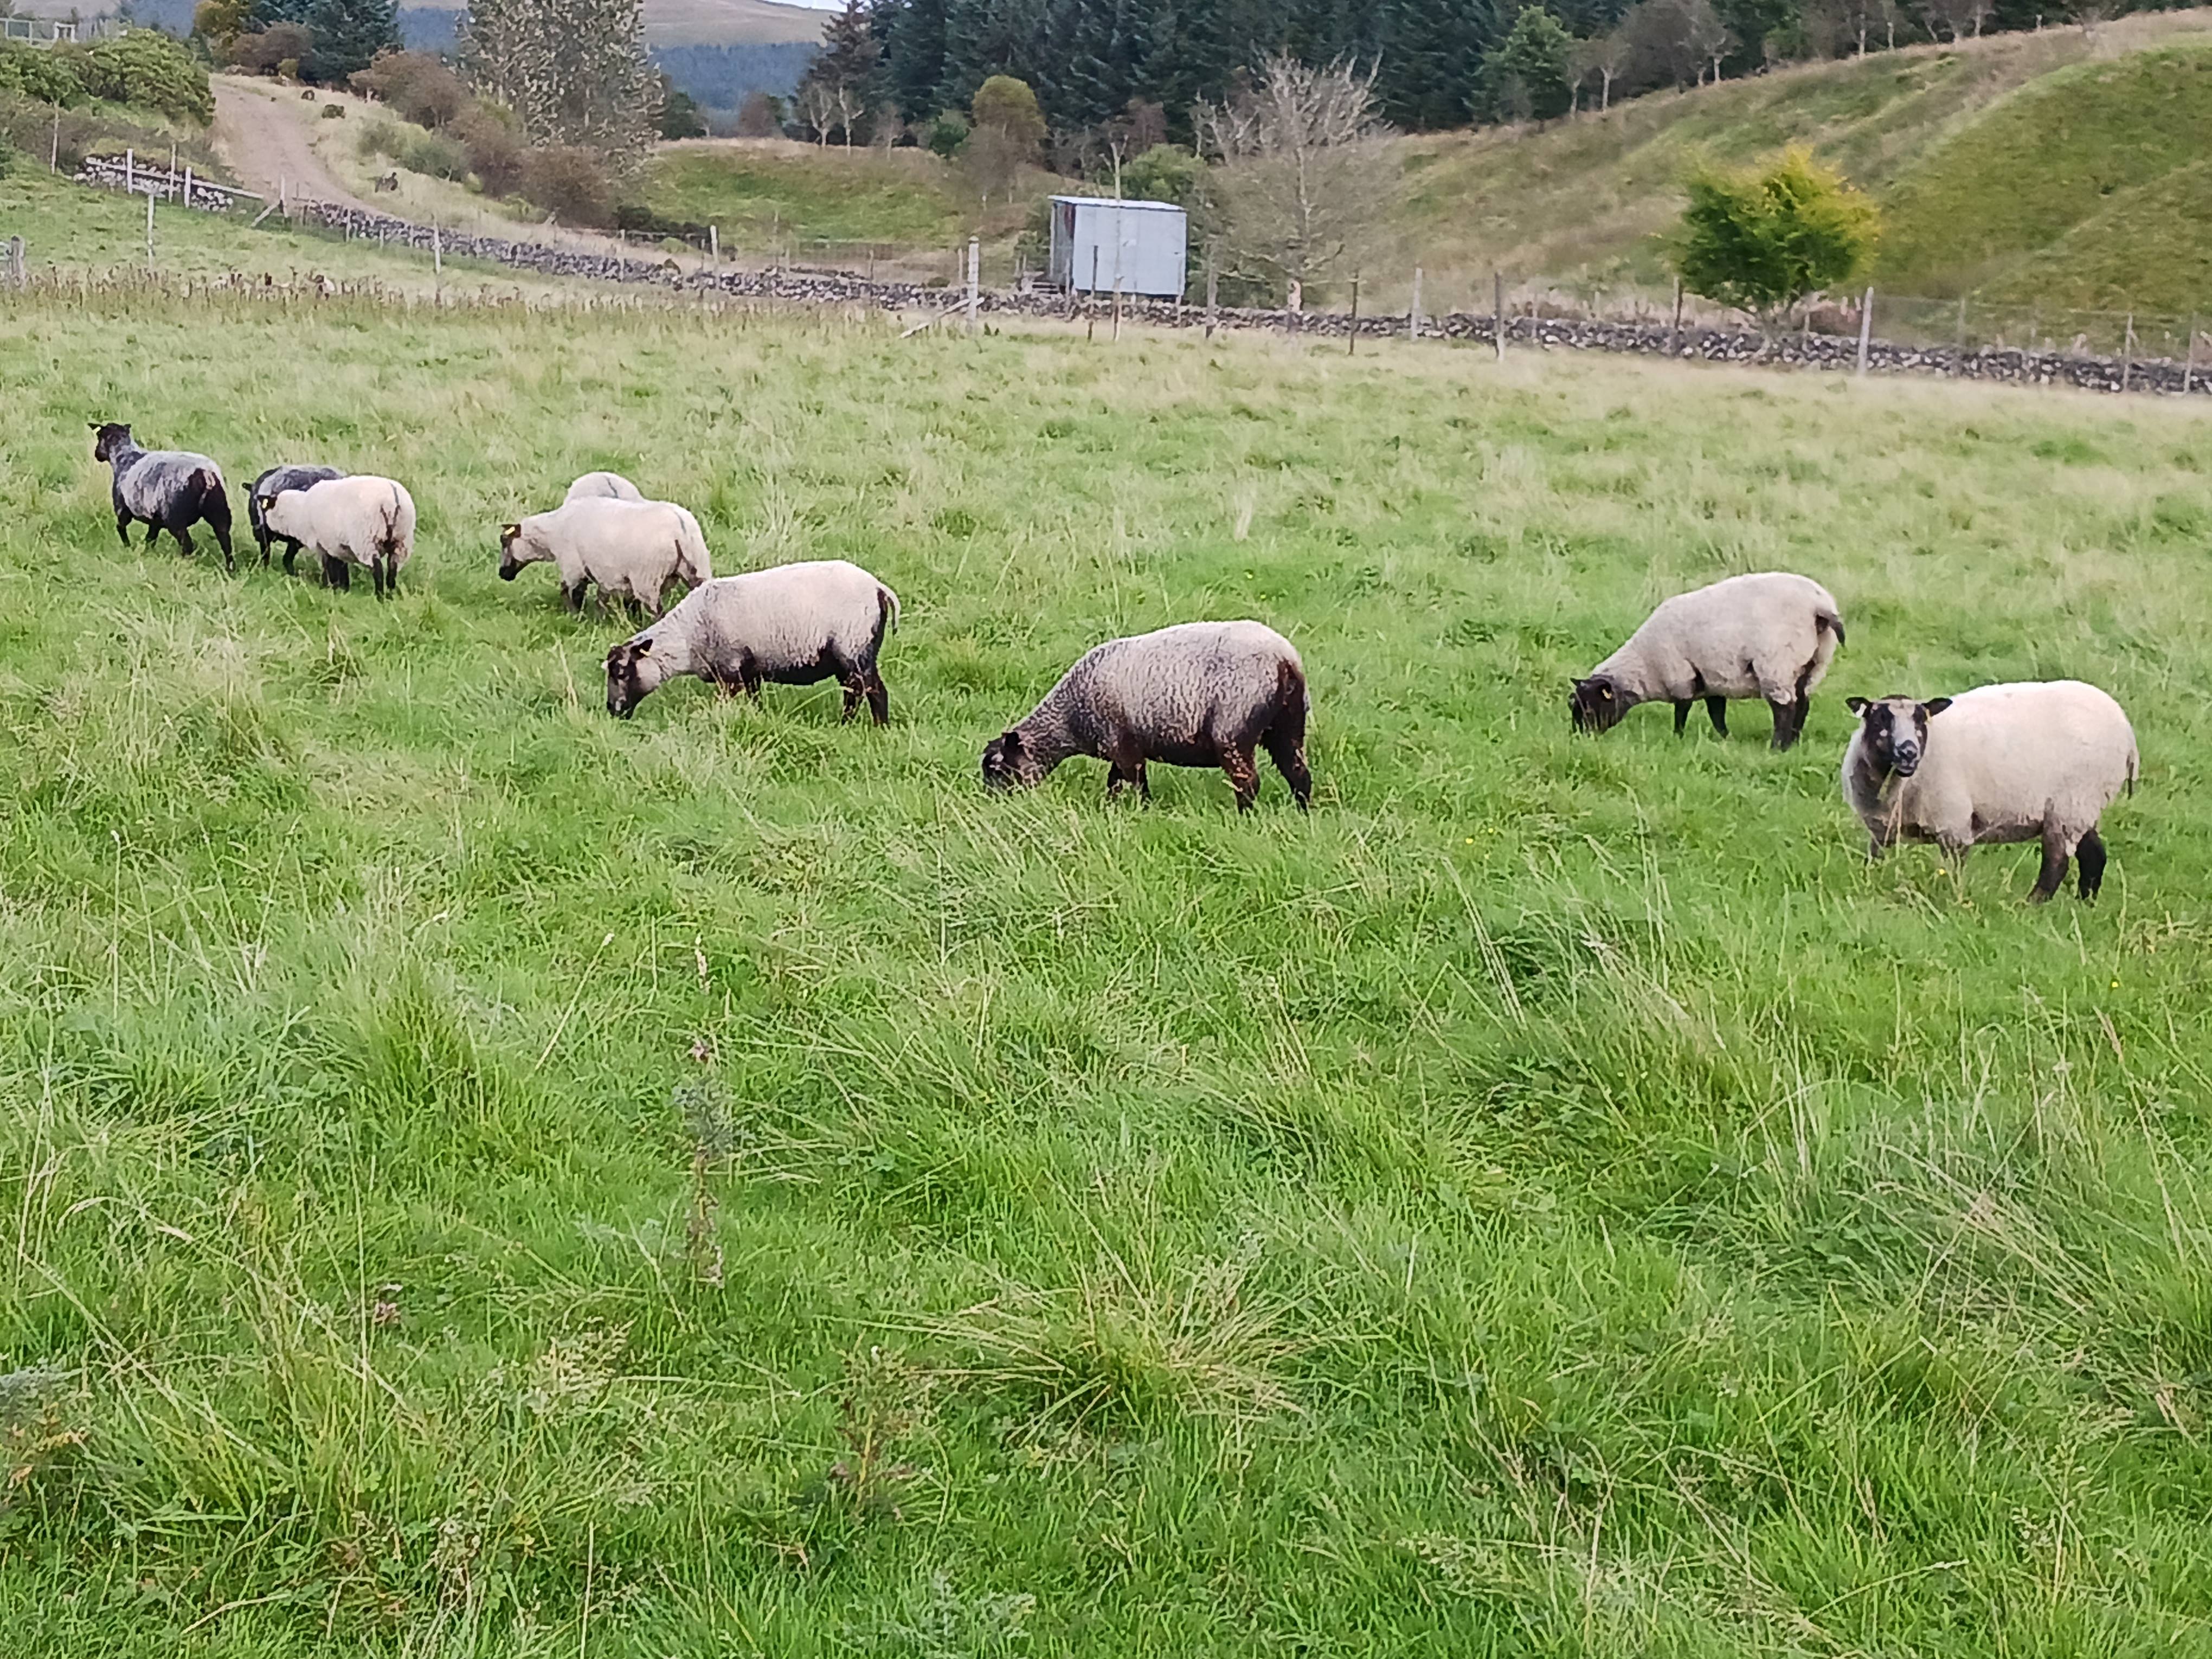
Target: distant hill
<point>667,23</point>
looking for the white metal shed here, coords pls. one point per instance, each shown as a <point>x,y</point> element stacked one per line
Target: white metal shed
<point>1097,244</point>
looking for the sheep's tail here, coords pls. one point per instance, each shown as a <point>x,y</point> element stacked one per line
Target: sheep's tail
<point>2135,769</point>
<point>693,563</point>
<point>888,601</point>
<point>1832,622</point>
<point>388,544</point>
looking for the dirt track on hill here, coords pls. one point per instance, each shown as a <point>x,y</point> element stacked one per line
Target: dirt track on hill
<point>265,144</point>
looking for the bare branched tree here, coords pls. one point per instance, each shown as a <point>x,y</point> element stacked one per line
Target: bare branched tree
<point>1605,60</point>
<point>575,72</point>
<point>1305,176</point>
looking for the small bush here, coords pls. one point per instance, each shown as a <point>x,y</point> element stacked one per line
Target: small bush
<point>276,50</point>
<point>432,154</point>
<point>147,69</point>
<point>945,133</point>
<point>493,149</point>
<point>334,112</point>
<point>569,183</point>
<point>760,116</point>
<point>48,77</point>
<point>416,87</point>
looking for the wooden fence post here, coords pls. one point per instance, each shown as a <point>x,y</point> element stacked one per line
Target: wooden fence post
<point>714,243</point>
<point>2128,352</point>
<point>16,274</point>
<point>1414,323</point>
<point>149,232</point>
<point>438,259</point>
<point>2188,367</point>
<point>975,277</point>
<point>1866,328</point>
<point>1212,290</point>
<point>1090,298</point>
<point>1351,336</point>
<point>129,171</point>
<point>188,186</point>
<point>1498,313</point>
<point>1959,355</point>
<point>54,155</point>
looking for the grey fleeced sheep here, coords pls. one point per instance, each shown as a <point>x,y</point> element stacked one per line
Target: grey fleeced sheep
<point>363,520</point>
<point>628,549</point>
<point>1771,635</point>
<point>170,490</point>
<point>1197,694</point>
<point>2036,761</point>
<point>612,485</point>
<point>272,483</point>
<point>793,624</point>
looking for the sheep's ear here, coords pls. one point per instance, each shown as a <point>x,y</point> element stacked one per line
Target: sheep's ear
<point>95,425</point>
<point>1935,707</point>
<point>508,533</point>
<point>642,646</point>
<point>1858,705</point>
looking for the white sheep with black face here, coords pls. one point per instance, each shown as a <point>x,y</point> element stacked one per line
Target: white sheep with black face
<point>1771,635</point>
<point>2038,761</point>
<point>1197,694</point>
<point>265,488</point>
<point>628,548</point>
<point>792,624</point>
<point>363,520</point>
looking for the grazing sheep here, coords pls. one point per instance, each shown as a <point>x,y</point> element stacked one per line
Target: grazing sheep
<point>273,483</point>
<point>362,521</point>
<point>795,624</point>
<point>603,483</point>
<point>628,548</point>
<point>2038,761</point>
<point>1198,693</point>
<point>1771,636</point>
<point>170,490</point>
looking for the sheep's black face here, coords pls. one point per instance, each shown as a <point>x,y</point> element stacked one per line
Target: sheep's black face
<point>1007,763</point>
<point>1596,705</point>
<point>109,439</point>
<point>509,566</point>
<point>1895,731</point>
<point>626,686</point>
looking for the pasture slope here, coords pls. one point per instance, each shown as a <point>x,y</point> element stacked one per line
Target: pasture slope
<point>484,1178</point>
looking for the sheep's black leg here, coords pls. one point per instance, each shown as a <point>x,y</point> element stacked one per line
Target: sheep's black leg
<point>1716,712</point>
<point>1785,723</point>
<point>572,598</point>
<point>2091,852</point>
<point>222,529</point>
<point>1242,771</point>
<point>184,548</point>
<point>152,531</point>
<point>879,698</point>
<point>1682,715</point>
<point>122,528</point>
<point>2053,873</point>
<point>291,557</point>
<point>392,575</point>
<point>855,689</point>
<point>337,573</point>
<point>1289,755</point>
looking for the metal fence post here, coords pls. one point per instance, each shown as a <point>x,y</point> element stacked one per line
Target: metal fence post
<point>1866,328</point>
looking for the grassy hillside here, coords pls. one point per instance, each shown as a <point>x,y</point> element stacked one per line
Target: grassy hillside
<point>486,1178</point>
<point>759,190</point>
<point>1994,142</point>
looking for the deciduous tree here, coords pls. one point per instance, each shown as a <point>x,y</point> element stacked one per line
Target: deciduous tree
<point>1763,239</point>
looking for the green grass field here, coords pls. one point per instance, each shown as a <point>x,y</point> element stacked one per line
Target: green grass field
<point>482,1178</point>
<point>761,192</point>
